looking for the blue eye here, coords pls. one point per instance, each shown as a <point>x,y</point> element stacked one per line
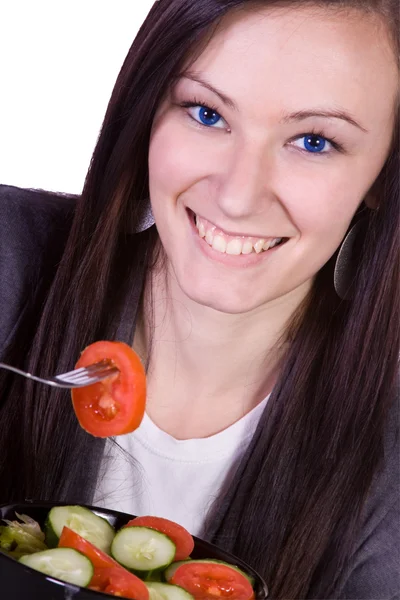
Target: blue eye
<point>313,143</point>
<point>206,116</point>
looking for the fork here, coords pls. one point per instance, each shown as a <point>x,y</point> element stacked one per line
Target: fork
<point>73,379</point>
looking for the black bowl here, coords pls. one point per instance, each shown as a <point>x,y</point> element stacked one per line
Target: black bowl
<point>19,582</point>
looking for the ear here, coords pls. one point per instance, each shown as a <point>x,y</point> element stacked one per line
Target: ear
<point>371,200</point>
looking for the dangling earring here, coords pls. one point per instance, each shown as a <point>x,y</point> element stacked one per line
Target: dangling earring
<point>147,219</point>
<point>344,268</point>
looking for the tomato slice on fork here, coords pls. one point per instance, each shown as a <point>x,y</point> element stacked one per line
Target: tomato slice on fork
<point>116,405</point>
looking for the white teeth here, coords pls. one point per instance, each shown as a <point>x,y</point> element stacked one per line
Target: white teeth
<point>209,237</point>
<point>275,242</point>
<point>234,247</point>
<point>247,248</point>
<point>219,243</point>
<point>258,246</point>
<point>200,227</point>
<point>266,245</point>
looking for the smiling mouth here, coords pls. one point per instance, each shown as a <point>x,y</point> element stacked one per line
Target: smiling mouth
<point>233,244</point>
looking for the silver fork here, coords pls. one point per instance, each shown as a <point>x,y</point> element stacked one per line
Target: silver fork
<point>73,379</point>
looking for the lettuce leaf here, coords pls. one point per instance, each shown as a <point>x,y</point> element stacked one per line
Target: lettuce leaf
<point>21,537</point>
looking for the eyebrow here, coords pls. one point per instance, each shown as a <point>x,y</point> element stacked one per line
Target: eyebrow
<point>193,76</point>
<point>297,116</point>
<point>301,115</point>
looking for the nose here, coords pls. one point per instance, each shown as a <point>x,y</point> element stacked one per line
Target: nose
<point>245,184</point>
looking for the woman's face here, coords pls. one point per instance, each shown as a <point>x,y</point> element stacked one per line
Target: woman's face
<point>264,149</point>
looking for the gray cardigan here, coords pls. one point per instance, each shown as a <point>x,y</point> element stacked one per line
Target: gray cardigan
<point>34,226</point>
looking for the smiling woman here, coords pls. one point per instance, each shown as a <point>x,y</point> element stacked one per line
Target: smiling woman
<point>255,135</point>
<point>270,156</point>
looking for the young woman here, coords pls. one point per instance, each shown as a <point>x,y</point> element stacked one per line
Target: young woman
<point>261,134</point>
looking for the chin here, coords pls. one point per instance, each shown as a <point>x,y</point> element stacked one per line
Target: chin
<point>222,305</point>
<point>226,306</point>
<point>219,298</point>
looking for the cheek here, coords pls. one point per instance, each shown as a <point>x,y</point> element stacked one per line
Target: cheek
<point>179,158</point>
<point>322,205</point>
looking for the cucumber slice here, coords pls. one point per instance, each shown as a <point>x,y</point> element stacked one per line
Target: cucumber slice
<point>142,549</point>
<point>165,591</point>
<point>83,521</point>
<point>63,563</point>
<point>170,571</point>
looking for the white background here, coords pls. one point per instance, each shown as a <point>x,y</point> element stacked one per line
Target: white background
<point>58,63</point>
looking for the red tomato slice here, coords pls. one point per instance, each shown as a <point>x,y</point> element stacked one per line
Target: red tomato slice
<point>211,581</point>
<point>179,535</point>
<point>119,582</point>
<point>115,405</point>
<point>71,539</point>
<point>109,576</point>
<point>121,585</point>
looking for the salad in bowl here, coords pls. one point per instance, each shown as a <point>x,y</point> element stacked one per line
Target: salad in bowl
<point>59,551</point>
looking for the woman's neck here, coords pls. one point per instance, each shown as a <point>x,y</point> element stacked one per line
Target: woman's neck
<point>207,369</point>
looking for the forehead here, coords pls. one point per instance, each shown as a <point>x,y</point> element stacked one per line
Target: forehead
<point>298,56</point>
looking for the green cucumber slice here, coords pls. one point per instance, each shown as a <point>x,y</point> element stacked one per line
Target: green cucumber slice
<point>83,521</point>
<point>170,571</point>
<point>165,591</point>
<point>63,563</point>
<point>142,549</point>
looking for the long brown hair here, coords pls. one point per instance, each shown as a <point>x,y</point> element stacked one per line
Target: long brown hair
<point>298,496</point>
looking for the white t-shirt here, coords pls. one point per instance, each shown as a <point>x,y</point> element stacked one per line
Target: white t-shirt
<point>175,479</point>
